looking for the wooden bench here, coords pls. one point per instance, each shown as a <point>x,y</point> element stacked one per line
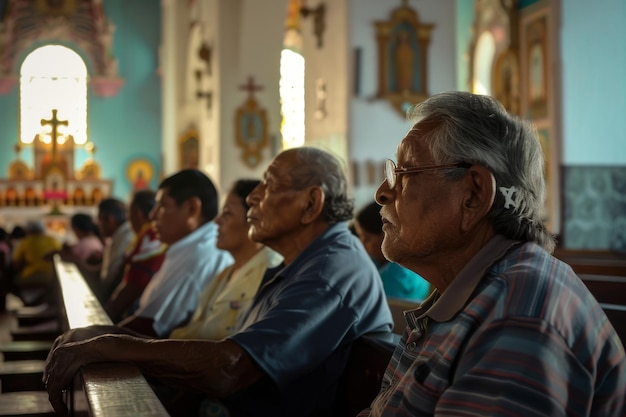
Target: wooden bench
<point>29,316</point>
<point>22,376</point>
<point>112,389</point>
<point>360,382</point>
<point>604,274</point>
<point>25,350</point>
<point>589,262</point>
<point>105,390</point>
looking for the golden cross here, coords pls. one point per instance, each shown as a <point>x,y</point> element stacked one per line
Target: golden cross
<point>54,123</point>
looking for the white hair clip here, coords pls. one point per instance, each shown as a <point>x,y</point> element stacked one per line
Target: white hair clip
<point>509,194</point>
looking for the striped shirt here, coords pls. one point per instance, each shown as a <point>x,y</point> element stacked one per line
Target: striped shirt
<point>515,334</point>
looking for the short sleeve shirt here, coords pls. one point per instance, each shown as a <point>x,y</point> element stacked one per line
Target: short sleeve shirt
<point>515,333</point>
<point>303,321</point>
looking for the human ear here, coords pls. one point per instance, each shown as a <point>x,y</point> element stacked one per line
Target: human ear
<point>479,187</point>
<point>194,207</point>
<point>314,204</point>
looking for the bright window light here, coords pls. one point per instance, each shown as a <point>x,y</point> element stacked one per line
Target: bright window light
<point>53,77</point>
<point>292,98</point>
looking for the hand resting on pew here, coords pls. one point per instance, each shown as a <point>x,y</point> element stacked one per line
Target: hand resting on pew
<point>216,369</point>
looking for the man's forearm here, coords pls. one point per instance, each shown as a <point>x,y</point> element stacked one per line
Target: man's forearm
<point>218,369</point>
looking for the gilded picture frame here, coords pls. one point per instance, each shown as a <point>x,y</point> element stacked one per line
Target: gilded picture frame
<point>251,132</point>
<point>402,43</point>
<point>535,54</point>
<point>189,149</point>
<point>506,81</point>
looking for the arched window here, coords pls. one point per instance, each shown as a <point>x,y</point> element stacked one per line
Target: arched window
<point>292,80</point>
<point>483,62</point>
<point>53,77</point>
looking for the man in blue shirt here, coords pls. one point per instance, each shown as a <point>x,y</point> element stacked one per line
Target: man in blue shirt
<point>293,345</point>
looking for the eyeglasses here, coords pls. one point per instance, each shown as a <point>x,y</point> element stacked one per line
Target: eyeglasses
<point>392,171</point>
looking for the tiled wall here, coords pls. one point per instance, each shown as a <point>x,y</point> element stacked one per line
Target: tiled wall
<point>594,208</point>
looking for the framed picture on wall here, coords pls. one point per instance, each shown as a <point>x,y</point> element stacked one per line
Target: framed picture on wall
<point>506,81</point>
<point>403,43</point>
<point>189,149</point>
<point>535,55</point>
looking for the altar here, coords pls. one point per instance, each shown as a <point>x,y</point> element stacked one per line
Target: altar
<point>50,188</point>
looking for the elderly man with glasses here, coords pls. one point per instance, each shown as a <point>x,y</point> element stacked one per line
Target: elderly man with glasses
<point>510,330</point>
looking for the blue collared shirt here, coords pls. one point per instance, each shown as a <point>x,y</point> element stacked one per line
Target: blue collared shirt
<point>303,321</point>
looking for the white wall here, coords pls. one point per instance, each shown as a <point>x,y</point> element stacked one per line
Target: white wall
<point>376,128</point>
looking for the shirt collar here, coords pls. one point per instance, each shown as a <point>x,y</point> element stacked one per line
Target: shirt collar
<point>444,306</point>
<point>207,231</point>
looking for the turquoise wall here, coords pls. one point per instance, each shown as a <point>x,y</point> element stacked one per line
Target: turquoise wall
<point>593,52</point>
<point>124,127</point>
<point>464,20</point>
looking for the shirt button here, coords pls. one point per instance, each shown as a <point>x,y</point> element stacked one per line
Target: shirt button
<point>411,346</point>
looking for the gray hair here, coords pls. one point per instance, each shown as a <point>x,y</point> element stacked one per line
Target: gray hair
<point>464,127</point>
<point>318,167</point>
<point>35,227</point>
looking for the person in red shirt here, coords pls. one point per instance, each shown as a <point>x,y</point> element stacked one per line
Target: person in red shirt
<point>144,257</point>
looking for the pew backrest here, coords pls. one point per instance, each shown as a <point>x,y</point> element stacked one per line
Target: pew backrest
<point>604,274</point>
<point>360,382</point>
<point>112,389</point>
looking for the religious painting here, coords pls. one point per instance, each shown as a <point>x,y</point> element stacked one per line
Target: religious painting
<point>536,65</point>
<point>251,127</point>
<point>189,149</point>
<point>403,43</point>
<point>139,173</point>
<point>89,171</point>
<point>506,88</point>
<point>251,131</point>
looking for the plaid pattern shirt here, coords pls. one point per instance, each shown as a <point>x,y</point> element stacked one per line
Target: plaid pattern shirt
<point>516,334</point>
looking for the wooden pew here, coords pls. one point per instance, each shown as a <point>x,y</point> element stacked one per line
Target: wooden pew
<point>112,389</point>
<point>360,382</point>
<point>604,273</point>
<point>102,390</point>
<point>591,262</point>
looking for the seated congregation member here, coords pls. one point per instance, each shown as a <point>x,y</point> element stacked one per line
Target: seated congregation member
<point>144,257</point>
<point>88,244</point>
<point>510,330</point>
<point>32,269</point>
<point>229,295</point>
<point>398,281</point>
<point>287,357</point>
<point>118,235</point>
<point>186,204</point>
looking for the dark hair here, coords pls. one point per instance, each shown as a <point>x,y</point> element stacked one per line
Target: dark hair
<point>4,235</point>
<point>318,167</point>
<point>190,183</point>
<point>113,207</point>
<point>144,200</point>
<point>84,223</point>
<point>244,187</point>
<point>369,218</point>
<point>18,232</point>
<point>464,127</point>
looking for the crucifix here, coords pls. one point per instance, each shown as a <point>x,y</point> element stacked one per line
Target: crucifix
<point>54,123</point>
<point>250,87</point>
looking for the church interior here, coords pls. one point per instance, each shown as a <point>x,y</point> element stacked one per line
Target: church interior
<point>223,86</point>
<point>103,98</point>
